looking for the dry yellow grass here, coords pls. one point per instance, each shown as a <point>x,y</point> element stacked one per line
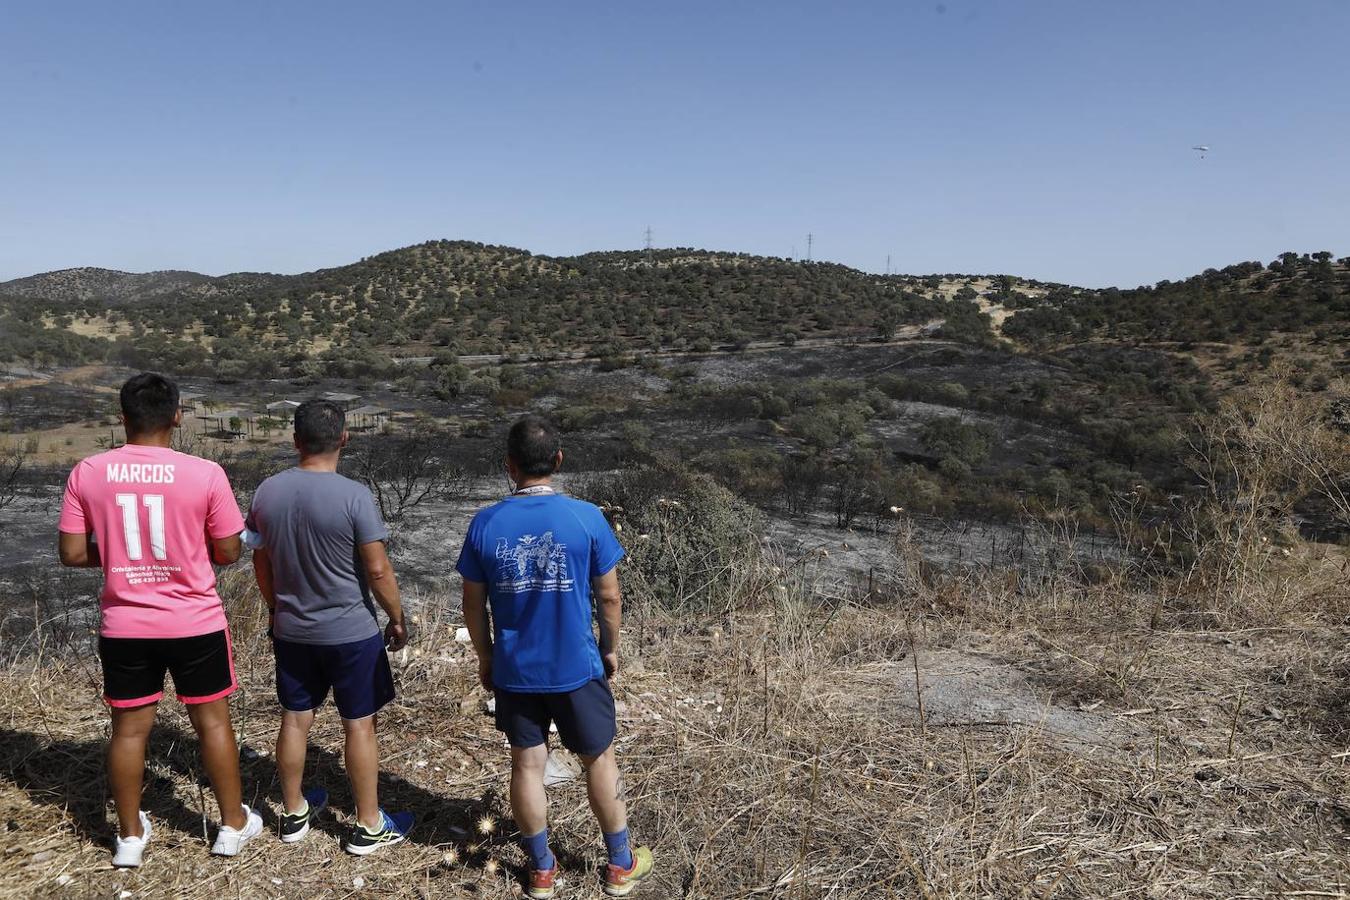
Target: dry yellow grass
<point>779,751</point>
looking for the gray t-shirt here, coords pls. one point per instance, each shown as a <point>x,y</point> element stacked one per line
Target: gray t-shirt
<point>313,524</point>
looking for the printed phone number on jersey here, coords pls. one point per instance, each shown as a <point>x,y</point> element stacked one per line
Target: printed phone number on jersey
<point>147,574</point>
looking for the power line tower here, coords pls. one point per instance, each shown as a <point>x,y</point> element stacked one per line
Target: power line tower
<point>810,239</point>
<point>888,264</point>
<point>648,245</point>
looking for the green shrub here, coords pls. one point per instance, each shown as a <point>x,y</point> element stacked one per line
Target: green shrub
<point>693,546</point>
<point>950,438</point>
<point>749,472</point>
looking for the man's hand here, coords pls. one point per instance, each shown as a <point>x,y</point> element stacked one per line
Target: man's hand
<point>611,661</point>
<point>485,673</point>
<point>395,635</point>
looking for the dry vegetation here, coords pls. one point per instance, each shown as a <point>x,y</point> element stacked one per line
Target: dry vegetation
<point>1138,731</point>
<point>781,751</point>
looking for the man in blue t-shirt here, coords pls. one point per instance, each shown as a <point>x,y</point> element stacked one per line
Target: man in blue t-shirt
<point>536,558</point>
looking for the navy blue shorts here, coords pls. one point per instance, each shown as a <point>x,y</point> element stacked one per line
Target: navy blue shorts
<point>585,718</point>
<point>358,674</point>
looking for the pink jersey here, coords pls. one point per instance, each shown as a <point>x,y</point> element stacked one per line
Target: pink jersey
<point>152,510</point>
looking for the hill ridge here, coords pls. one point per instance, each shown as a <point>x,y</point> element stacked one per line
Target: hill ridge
<point>448,297</point>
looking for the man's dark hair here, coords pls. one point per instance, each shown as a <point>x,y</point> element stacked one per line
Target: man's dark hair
<point>149,403</point>
<point>318,426</point>
<point>532,445</point>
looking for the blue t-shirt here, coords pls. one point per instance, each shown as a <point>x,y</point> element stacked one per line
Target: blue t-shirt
<point>537,555</point>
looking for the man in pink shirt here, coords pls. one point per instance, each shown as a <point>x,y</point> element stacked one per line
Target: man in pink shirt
<point>155,519</point>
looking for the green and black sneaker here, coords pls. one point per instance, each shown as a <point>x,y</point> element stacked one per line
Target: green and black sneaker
<point>294,826</point>
<point>393,829</point>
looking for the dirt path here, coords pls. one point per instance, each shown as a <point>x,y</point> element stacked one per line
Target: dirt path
<point>970,690</point>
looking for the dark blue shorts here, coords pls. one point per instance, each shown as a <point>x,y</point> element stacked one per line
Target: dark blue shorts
<point>585,718</point>
<point>358,674</point>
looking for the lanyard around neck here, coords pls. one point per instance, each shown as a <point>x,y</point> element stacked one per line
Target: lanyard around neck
<point>533,490</point>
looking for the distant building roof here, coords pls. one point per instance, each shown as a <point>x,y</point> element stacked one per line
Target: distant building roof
<point>368,411</point>
<point>288,404</point>
<point>339,397</point>
<point>230,414</point>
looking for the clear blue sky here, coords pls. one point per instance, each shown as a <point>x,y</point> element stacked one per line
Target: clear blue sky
<point>1050,139</point>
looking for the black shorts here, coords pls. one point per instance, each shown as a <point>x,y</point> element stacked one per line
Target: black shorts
<point>133,668</point>
<point>585,718</point>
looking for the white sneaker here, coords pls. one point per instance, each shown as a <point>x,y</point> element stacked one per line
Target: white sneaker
<point>230,841</point>
<point>129,850</point>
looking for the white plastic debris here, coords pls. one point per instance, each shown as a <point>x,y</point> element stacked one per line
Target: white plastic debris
<point>358,882</point>
<point>462,635</point>
<point>561,768</point>
<point>63,880</point>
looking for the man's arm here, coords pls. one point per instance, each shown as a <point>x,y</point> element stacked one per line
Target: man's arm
<point>78,551</point>
<point>222,515</point>
<point>225,551</point>
<point>262,571</point>
<point>609,605</point>
<point>380,577</point>
<point>480,632</point>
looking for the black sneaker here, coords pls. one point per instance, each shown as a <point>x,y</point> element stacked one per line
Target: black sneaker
<point>294,826</point>
<point>392,830</point>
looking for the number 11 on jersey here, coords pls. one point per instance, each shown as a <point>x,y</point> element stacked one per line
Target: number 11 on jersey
<point>131,524</point>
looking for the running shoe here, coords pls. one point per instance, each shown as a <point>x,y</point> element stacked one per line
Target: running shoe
<point>230,841</point>
<point>543,884</point>
<point>392,830</point>
<point>294,826</point>
<point>623,882</point>
<point>128,851</point>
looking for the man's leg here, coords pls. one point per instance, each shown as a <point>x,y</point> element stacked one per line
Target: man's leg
<point>604,788</point>
<point>220,756</point>
<point>524,719</point>
<point>587,722</point>
<point>529,803</point>
<point>292,744</point>
<point>362,758</point>
<point>126,763</point>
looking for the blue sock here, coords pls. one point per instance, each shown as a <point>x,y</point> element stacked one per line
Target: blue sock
<point>537,846</point>
<point>620,854</point>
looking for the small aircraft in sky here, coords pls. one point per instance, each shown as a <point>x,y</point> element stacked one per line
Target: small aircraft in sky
<point>1203,148</point>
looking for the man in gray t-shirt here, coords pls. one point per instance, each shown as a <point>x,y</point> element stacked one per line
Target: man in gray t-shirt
<point>313,523</point>
<point>320,558</point>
